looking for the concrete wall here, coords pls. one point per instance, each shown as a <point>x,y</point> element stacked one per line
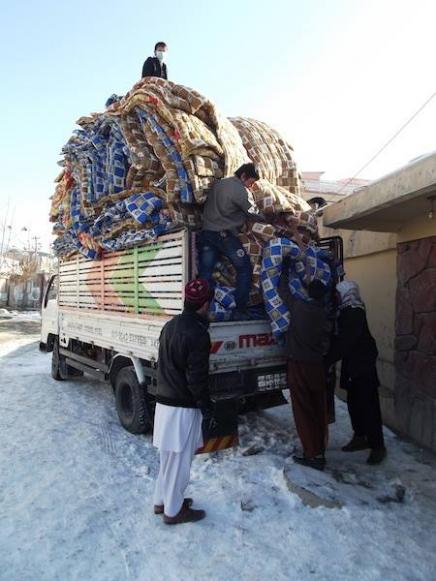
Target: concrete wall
<point>3,291</point>
<point>23,294</point>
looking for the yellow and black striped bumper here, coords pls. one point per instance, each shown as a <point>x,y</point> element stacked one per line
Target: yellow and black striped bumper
<point>221,443</point>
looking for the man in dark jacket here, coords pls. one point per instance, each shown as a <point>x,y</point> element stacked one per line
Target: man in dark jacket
<point>182,401</point>
<point>155,66</point>
<point>356,347</point>
<point>308,342</point>
<point>226,210</point>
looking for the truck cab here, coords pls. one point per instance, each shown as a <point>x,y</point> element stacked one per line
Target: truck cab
<point>49,314</point>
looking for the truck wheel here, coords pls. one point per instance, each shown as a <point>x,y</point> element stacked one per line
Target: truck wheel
<point>131,402</point>
<point>58,365</point>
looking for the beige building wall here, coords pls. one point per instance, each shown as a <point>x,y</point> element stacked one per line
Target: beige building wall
<point>392,254</point>
<point>420,227</point>
<point>370,258</point>
<point>376,275</point>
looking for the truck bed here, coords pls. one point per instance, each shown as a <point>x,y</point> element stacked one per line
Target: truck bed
<point>146,280</point>
<point>122,301</point>
<point>235,345</point>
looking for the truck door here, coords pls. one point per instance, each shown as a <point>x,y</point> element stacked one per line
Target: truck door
<point>49,314</point>
<point>335,246</point>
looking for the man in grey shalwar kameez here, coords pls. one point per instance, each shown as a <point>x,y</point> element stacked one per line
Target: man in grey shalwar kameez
<point>182,402</point>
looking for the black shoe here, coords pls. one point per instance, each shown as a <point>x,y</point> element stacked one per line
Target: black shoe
<point>185,515</point>
<point>160,509</point>
<point>356,443</point>
<point>377,455</point>
<point>318,463</point>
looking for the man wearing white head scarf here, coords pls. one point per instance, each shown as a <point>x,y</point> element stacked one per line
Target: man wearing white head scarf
<point>356,347</point>
<point>350,294</point>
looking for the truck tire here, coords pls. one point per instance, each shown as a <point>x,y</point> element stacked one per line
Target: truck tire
<point>131,402</point>
<point>58,365</point>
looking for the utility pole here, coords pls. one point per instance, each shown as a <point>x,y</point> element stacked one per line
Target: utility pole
<point>3,235</point>
<point>36,244</point>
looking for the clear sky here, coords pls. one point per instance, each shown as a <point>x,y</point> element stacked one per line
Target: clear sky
<point>336,77</point>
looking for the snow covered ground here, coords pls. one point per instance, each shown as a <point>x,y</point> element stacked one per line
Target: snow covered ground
<point>18,328</point>
<point>76,490</point>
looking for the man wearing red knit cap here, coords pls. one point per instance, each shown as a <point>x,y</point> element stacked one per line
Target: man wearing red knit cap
<point>182,402</point>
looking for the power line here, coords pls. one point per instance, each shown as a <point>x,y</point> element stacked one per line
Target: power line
<point>394,136</point>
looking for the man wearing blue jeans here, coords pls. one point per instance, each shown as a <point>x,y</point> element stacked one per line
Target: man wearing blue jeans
<point>226,209</point>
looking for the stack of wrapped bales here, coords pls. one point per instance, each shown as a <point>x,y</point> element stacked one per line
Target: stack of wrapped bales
<point>144,166</point>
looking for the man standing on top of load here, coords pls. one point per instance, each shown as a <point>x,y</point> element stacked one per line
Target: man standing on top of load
<point>226,209</point>
<point>155,66</point>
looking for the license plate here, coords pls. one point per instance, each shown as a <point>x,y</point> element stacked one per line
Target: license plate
<point>272,381</point>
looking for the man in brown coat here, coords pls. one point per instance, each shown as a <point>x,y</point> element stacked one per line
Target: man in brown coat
<point>308,342</point>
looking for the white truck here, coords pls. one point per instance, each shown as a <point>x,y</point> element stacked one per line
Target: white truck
<point>104,318</point>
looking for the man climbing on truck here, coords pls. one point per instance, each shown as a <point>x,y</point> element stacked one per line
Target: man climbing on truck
<point>226,209</point>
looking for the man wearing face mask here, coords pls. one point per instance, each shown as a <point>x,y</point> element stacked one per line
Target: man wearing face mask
<point>155,66</point>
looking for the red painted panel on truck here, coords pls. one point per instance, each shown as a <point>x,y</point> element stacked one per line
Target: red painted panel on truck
<point>259,340</point>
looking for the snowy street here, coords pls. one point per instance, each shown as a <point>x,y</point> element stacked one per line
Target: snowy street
<point>76,494</point>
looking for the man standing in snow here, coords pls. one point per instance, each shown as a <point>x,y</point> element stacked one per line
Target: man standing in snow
<point>155,66</point>
<point>357,349</point>
<point>182,402</point>
<point>308,342</point>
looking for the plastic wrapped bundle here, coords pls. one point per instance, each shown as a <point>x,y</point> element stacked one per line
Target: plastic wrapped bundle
<point>318,268</point>
<point>143,206</point>
<point>314,265</point>
<point>186,214</point>
<point>223,303</point>
<point>158,133</point>
<point>225,296</point>
<point>132,237</point>
<point>144,167</point>
<point>262,231</point>
<point>273,199</point>
<point>224,273</point>
<point>304,266</point>
<point>165,135</point>
<point>272,262</point>
<point>273,156</point>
